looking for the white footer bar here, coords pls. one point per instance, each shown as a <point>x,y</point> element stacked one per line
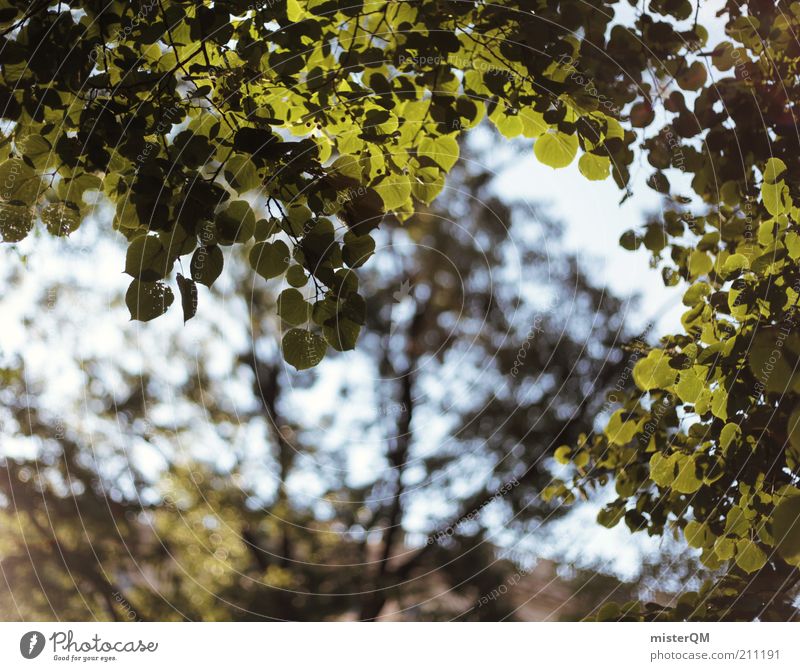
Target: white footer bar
<point>399,646</point>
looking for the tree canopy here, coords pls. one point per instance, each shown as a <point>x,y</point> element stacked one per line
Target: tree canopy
<point>297,128</point>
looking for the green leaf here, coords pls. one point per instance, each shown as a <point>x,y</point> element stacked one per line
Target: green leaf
<point>178,241</point>
<point>303,349</point>
<point>293,308</point>
<point>357,249</point>
<point>556,149</point>
<point>394,191</point>
<point>270,259</point>
<point>442,150</point>
<point>698,535</point>
<point>775,197</point>
<point>786,529</point>
<point>729,433</point>
<point>206,265</point>
<point>719,402</point>
<point>61,218</point>
<point>266,228</point>
<point>236,223</point>
<point>324,310</point>
<point>39,151</point>
<point>736,522</point>
<point>609,612</point>
<point>734,264</point>
<point>690,385</point>
<point>725,548</point>
<point>296,276</point>
<point>686,480</point>
<point>427,184</point>
<point>700,263</point>
<point>319,241</point>
<point>188,290</point>
<point>241,173</point>
<point>749,556</point>
<point>562,453</point>
<point>295,10</point>
<point>148,300</point>
<point>792,242</point>
<point>16,221</point>
<point>793,431</point>
<point>349,167</point>
<point>654,371</point>
<point>771,364</point>
<point>533,124</point>
<point>298,219</point>
<point>620,431</point>
<point>19,182</point>
<point>341,333</point>
<point>662,469</point>
<point>630,241</point>
<point>594,167</point>
<point>147,259</point>
<point>610,515</point>
<point>774,170</point>
<point>507,121</point>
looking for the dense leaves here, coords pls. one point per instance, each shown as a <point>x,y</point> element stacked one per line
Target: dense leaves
<point>705,444</point>
<point>207,126</point>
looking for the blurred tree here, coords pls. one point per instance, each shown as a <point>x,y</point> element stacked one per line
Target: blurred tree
<point>402,472</point>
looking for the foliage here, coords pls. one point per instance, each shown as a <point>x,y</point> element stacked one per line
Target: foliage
<point>174,110</point>
<point>705,446</point>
